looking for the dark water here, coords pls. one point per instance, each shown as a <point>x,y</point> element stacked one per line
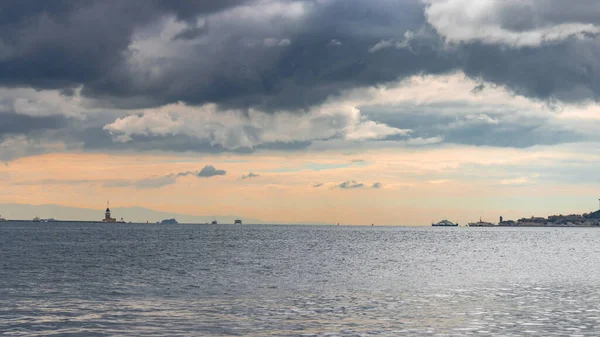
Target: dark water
<point>142,280</point>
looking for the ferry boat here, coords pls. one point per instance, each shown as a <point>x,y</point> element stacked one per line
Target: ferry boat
<point>481,224</point>
<point>445,223</point>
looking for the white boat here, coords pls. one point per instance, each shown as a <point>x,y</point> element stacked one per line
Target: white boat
<point>1,218</point>
<point>445,223</point>
<point>36,219</point>
<point>481,224</point>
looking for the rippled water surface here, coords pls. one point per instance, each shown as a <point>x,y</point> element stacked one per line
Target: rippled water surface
<point>142,280</point>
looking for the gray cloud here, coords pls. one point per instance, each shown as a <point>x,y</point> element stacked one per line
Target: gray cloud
<point>317,185</point>
<point>235,72</point>
<point>192,32</point>
<point>61,50</point>
<point>63,44</point>
<point>478,88</point>
<point>210,171</point>
<point>12,123</point>
<point>265,61</point>
<point>376,185</point>
<point>513,23</point>
<point>160,181</point>
<point>250,175</point>
<point>463,123</point>
<point>348,184</point>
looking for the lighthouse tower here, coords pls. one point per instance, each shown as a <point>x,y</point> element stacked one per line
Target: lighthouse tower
<point>107,217</point>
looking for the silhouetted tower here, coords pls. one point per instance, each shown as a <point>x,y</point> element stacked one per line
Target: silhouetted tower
<point>107,213</point>
<point>501,218</point>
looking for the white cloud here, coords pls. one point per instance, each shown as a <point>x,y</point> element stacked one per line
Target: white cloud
<point>515,23</point>
<point>233,129</point>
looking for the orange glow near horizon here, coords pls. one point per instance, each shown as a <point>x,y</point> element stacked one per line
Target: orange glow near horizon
<point>417,186</point>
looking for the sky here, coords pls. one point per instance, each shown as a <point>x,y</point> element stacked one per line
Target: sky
<point>392,112</point>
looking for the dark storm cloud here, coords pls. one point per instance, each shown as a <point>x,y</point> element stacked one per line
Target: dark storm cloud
<point>86,43</point>
<point>12,123</point>
<point>70,44</point>
<point>63,43</point>
<point>567,71</point>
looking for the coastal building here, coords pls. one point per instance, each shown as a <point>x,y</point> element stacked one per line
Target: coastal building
<point>532,222</point>
<point>107,217</point>
<point>507,223</point>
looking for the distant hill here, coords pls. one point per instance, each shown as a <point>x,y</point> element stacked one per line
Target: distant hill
<point>135,214</point>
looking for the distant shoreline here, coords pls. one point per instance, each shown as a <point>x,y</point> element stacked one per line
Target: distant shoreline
<point>527,225</point>
<point>112,223</point>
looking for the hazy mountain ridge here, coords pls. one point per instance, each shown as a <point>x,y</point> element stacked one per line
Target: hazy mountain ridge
<point>135,214</point>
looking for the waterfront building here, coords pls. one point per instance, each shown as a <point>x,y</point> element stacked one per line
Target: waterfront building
<point>107,217</point>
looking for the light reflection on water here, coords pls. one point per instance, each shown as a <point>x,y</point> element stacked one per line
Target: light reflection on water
<point>297,281</point>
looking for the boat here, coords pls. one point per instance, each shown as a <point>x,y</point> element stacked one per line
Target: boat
<point>445,223</point>
<point>1,218</point>
<point>36,219</point>
<point>481,224</point>
<point>214,222</point>
<point>237,222</point>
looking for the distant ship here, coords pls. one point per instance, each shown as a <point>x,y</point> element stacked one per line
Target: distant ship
<point>1,218</point>
<point>445,223</point>
<point>36,219</point>
<point>481,224</point>
<point>237,222</point>
<point>214,222</point>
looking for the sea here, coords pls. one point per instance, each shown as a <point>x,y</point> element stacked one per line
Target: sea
<point>76,279</point>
